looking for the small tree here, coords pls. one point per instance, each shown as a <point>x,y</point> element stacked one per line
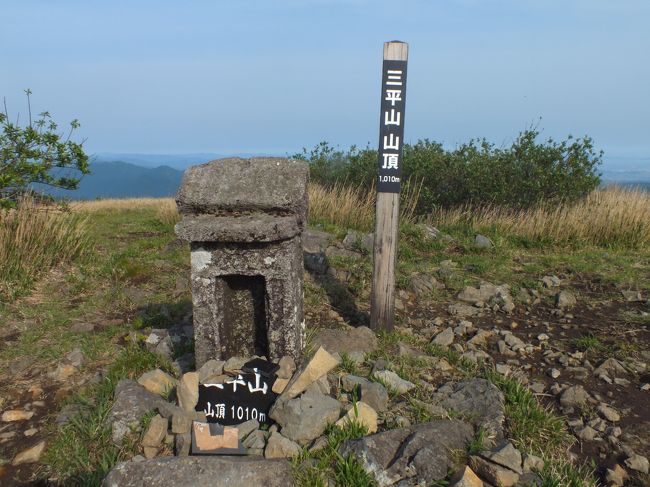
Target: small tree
<point>37,153</point>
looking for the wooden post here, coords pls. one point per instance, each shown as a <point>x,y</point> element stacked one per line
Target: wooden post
<point>391,135</point>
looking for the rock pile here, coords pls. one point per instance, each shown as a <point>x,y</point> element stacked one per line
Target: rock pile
<point>343,380</point>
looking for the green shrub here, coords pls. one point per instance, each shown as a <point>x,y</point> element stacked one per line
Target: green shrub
<point>477,172</point>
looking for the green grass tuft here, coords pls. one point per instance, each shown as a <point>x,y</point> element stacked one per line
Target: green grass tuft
<point>319,468</point>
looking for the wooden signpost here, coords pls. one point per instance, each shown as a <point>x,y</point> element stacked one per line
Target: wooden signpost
<point>391,139</point>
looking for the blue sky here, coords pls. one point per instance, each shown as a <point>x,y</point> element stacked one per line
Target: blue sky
<point>251,76</point>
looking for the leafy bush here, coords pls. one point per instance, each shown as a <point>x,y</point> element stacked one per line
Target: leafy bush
<point>37,153</point>
<point>477,172</point>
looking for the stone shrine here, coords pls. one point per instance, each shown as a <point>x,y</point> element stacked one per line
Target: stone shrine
<point>244,220</point>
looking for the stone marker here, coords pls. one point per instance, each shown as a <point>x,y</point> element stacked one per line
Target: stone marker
<point>201,472</point>
<point>244,220</point>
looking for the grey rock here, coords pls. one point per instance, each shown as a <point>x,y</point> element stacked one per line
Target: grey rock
<point>167,409</point>
<point>505,455</point>
<point>209,369</point>
<point>574,396</point>
<point>316,262</point>
<point>463,310</point>
<point>477,399</point>
<point>181,422</point>
<point>476,356</point>
<point>394,381</point>
<point>76,357</point>
<point>609,413</point>
<point>337,252</point>
<point>315,241</point>
<point>514,342</point>
<point>165,348</point>
<point>197,471</point>
<point>246,428</point>
<point>586,433</point>
<point>565,299</point>
<point>532,463</point>
<point>187,391</point>
<point>486,294</point>
<point>132,402</point>
<point>638,463</point>
<point>346,340</point>
<point>632,296</point>
<point>182,444</point>
<point>444,338</point>
<point>255,440</point>
<point>156,431</point>
<point>480,338</point>
<point>234,364</point>
<point>611,368</point>
<point>157,381</point>
<point>355,240</point>
<point>305,418</point>
<point>372,393</point>
<point>432,233</point>
<point>421,453</point>
<point>287,367</point>
<point>279,446</point>
<point>424,283</point>
<point>465,478</point>
<point>616,476</point>
<point>482,242</point>
<point>551,281</point>
<point>493,473</point>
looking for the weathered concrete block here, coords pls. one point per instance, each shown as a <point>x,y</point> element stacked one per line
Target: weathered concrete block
<point>244,219</point>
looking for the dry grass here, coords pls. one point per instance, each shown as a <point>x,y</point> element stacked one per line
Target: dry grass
<point>607,217</point>
<point>33,239</point>
<point>121,204</point>
<point>341,205</point>
<point>350,207</point>
<point>167,212</point>
<point>612,216</point>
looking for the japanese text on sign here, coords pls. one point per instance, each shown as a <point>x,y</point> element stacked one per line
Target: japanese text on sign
<point>391,127</point>
<point>245,396</point>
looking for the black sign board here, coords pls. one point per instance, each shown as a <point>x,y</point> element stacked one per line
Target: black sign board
<point>391,126</point>
<point>244,397</point>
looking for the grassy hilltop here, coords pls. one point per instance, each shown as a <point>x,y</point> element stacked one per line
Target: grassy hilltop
<point>96,277</point>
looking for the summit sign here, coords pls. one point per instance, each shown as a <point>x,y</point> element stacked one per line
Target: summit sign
<point>391,127</point>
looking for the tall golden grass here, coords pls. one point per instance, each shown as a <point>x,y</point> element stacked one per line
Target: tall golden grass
<point>351,207</point>
<point>165,208</point>
<point>111,204</point>
<point>606,217</point>
<point>613,216</point>
<point>35,238</point>
<point>167,212</point>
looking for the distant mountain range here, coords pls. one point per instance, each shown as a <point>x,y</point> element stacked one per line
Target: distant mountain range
<point>134,175</point>
<point>150,175</point>
<point>119,179</point>
<point>175,161</point>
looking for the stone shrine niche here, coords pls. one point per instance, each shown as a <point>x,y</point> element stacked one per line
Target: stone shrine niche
<point>244,220</point>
